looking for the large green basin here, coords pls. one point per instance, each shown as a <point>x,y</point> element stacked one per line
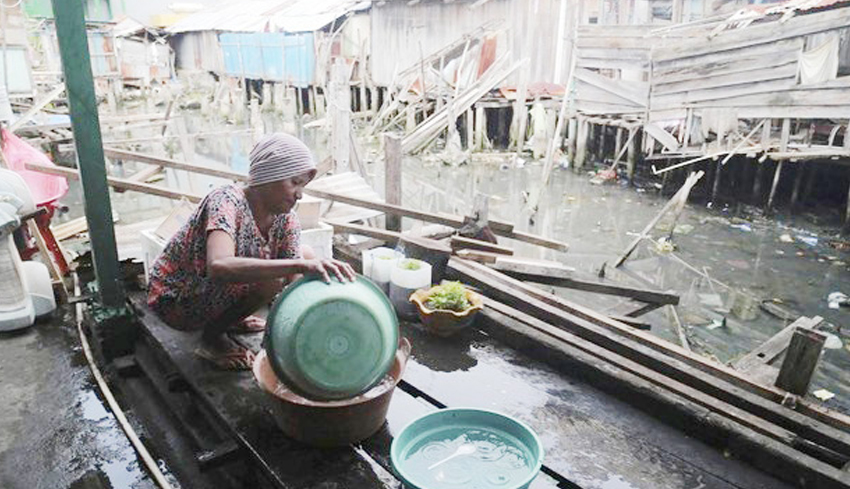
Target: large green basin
<point>331,341</point>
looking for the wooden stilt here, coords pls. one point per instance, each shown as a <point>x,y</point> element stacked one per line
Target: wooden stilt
<point>572,129</point>
<point>581,142</point>
<point>757,181</point>
<point>846,229</point>
<point>618,140</point>
<point>392,177</point>
<point>800,361</point>
<point>341,115</point>
<point>718,167</point>
<point>776,175</point>
<point>631,157</point>
<point>469,129</point>
<point>798,178</point>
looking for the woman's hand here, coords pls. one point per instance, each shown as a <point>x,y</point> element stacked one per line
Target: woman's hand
<point>324,268</point>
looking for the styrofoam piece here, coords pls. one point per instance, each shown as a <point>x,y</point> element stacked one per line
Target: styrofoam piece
<point>40,287</point>
<point>320,239</point>
<point>382,262</point>
<point>152,246</point>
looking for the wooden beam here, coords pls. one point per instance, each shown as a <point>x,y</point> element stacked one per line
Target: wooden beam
<point>767,446</point>
<point>36,108</point>
<point>392,178</point>
<point>564,278</point>
<point>666,358</point>
<point>120,154</point>
<point>774,346</point>
<point>461,243</point>
<point>681,195</point>
<point>118,183</point>
<point>800,362</point>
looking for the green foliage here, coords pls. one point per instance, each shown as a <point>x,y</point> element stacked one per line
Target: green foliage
<point>448,296</point>
<point>410,264</point>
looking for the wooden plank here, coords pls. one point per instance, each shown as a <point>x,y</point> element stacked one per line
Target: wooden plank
<point>392,177</point>
<point>753,35</point>
<point>600,108</point>
<point>686,408</point>
<point>774,346</point>
<point>788,97</point>
<point>740,64</point>
<point>664,67</point>
<point>632,91</point>
<point>661,356</point>
<point>565,278</point>
<point>613,53</point>
<point>729,80</point>
<point>804,112</point>
<point>461,243</point>
<point>120,154</point>
<point>694,99</point>
<point>662,136</point>
<point>612,64</point>
<point>586,92</point>
<point>37,106</point>
<point>242,409</point>
<point>800,362</point>
<point>119,183</point>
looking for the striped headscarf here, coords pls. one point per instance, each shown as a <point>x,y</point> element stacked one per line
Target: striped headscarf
<point>277,157</point>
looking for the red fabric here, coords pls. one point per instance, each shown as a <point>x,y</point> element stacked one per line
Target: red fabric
<point>45,188</point>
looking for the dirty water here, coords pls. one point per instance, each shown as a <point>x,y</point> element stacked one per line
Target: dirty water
<point>56,432</point>
<point>724,265</point>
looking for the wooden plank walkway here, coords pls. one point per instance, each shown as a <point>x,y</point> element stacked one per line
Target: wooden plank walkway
<point>592,440</point>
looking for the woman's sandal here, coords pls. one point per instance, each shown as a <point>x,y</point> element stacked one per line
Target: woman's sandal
<point>240,358</point>
<point>249,325</point>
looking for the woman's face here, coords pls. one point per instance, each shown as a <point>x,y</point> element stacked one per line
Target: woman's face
<point>284,194</point>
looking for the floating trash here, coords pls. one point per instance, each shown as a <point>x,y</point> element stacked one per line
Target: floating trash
<point>823,394</point>
<point>786,238</point>
<point>833,342</point>
<point>809,240</point>
<point>742,227</point>
<point>837,299</point>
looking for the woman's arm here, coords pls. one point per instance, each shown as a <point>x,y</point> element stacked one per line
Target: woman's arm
<point>223,264</point>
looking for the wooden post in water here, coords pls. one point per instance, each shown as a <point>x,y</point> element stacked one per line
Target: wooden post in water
<point>798,179</point>
<point>572,128</point>
<point>340,113</point>
<point>392,177</point>
<point>716,186</point>
<point>800,361</point>
<point>631,156</point>
<point>480,127</point>
<point>581,142</point>
<point>469,129</point>
<point>846,229</point>
<point>783,147</point>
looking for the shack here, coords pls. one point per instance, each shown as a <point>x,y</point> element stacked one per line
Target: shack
<point>769,83</point>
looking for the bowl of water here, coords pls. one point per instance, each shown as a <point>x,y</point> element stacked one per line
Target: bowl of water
<point>468,448</point>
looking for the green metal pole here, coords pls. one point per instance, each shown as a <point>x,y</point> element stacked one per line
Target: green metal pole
<point>76,63</point>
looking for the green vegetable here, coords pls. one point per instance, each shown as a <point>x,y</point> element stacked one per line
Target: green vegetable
<point>410,264</point>
<point>448,296</point>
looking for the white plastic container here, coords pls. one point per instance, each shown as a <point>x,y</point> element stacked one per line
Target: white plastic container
<point>320,238</point>
<point>40,287</point>
<point>378,264</point>
<point>408,275</point>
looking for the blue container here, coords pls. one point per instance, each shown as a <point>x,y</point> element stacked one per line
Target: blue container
<point>507,455</point>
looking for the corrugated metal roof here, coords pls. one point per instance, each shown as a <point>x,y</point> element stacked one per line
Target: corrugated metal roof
<point>268,15</point>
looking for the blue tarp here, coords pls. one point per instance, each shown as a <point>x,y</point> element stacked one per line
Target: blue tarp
<point>270,56</point>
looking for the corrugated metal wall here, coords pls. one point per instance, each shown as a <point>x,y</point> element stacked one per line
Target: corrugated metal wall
<point>399,29</point>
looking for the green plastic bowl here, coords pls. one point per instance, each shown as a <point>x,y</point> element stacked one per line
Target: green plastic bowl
<point>331,341</point>
<point>508,453</point>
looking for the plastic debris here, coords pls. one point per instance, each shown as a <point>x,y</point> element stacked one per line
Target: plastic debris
<point>711,300</point>
<point>809,240</point>
<point>833,342</point>
<point>717,323</point>
<point>664,245</point>
<point>837,299</point>
<point>786,238</point>
<point>823,394</point>
<point>742,227</point>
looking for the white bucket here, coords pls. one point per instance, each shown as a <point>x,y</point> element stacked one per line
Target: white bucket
<point>378,264</point>
<point>408,275</point>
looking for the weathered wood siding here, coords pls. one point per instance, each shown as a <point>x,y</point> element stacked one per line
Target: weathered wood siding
<point>402,34</point>
<point>752,70</point>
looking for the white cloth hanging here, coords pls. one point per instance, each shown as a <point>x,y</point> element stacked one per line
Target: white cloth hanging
<point>820,64</point>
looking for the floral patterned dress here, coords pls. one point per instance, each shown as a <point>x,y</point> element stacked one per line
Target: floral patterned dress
<point>179,290</point>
